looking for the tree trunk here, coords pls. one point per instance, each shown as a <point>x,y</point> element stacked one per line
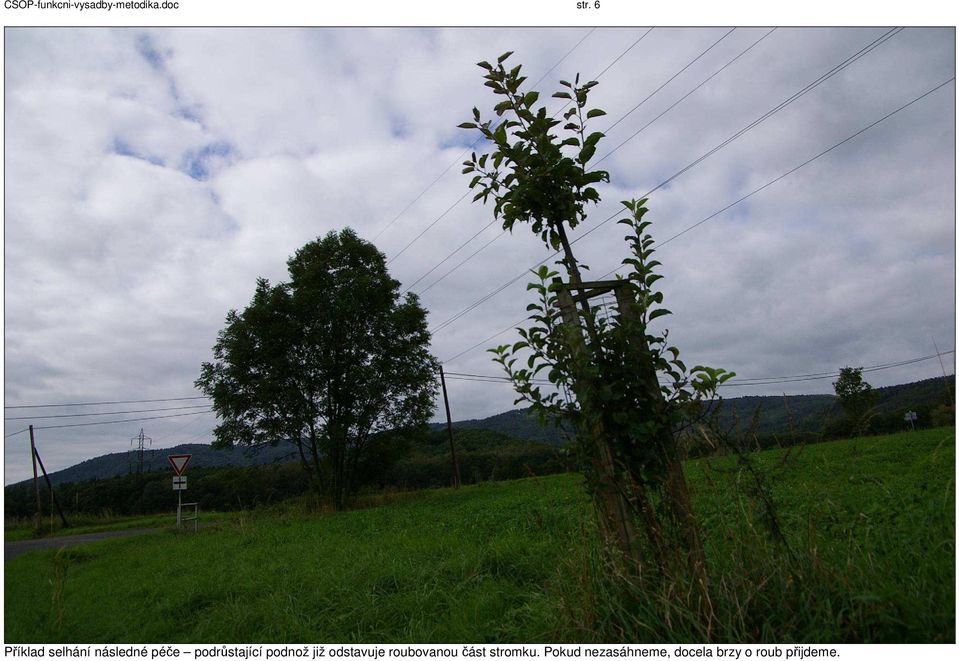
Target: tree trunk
<point>314,477</point>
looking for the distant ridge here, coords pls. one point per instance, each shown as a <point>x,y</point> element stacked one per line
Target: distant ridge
<point>204,456</point>
<point>796,413</point>
<point>778,414</point>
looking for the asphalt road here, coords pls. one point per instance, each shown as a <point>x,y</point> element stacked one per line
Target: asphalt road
<point>13,549</point>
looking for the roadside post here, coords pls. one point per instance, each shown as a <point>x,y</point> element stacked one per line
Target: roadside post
<point>179,462</point>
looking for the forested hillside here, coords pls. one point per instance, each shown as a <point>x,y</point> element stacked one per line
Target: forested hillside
<point>425,463</point>
<point>204,456</point>
<point>783,416</point>
<point>781,420</point>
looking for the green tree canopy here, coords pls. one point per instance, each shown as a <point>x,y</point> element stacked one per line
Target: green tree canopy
<point>324,361</point>
<point>856,397</point>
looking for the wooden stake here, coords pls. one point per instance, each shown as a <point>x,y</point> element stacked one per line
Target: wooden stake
<point>676,487</point>
<point>615,513</point>
<point>449,431</point>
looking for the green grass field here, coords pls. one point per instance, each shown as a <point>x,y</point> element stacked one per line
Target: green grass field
<point>870,527</point>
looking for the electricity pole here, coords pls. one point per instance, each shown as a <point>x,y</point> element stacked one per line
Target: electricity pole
<point>35,457</point>
<point>36,483</point>
<point>449,431</point>
<point>138,440</point>
<point>945,379</point>
<point>53,494</point>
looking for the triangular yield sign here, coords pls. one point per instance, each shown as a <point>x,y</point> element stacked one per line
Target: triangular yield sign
<point>179,462</point>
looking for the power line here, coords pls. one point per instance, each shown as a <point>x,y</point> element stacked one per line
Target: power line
<point>608,67</point>
<point>178,430</point>
<point>474,254</point>
<point>744,382</point>
<point>491,377</point>
<point>494,380</point>
<point>197,436</point>
<point>787,173</point>
<point>694,225</point>
<point>488,296</point>
<point>445,259</point>
<point>467,151</point>
<point>482,376</point>
<point>648,124</point>
<point>127,401</point>
<point>806,162</point>
<point>671,79</point>
<point>805,90</point>
<point>428,227</point>
<point>85,415</point>
<point>685,96</point>
<point>808,88</point>
<point>568,53</point>
<point>597,77</point>
<point>833,375</point>
<point>116,422</point>
<point>482,342</point>
<point>463,197</point>
<point>492,222</point>
<point>620,56</point>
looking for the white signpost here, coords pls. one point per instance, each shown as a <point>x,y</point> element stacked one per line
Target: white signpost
<point>911,417</point>
<point>179,462</point>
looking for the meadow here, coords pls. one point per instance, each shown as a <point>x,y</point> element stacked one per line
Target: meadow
<point>866,554</point>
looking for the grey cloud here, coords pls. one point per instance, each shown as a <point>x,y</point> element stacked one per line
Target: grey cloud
<point>154,175</point>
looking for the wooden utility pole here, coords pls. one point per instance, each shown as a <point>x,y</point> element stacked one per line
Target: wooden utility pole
<point>53,494</point>
<point>945,379</point>
<point>36,483</point>
<point>449,431</point>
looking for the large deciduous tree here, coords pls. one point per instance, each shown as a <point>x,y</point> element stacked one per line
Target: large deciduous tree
<point>324,361</point>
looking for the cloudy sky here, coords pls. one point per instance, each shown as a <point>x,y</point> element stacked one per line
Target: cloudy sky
<point>151,175</point>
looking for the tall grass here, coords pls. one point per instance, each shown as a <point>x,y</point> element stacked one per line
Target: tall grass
<point>869,554</point>
<point>870,534</point>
